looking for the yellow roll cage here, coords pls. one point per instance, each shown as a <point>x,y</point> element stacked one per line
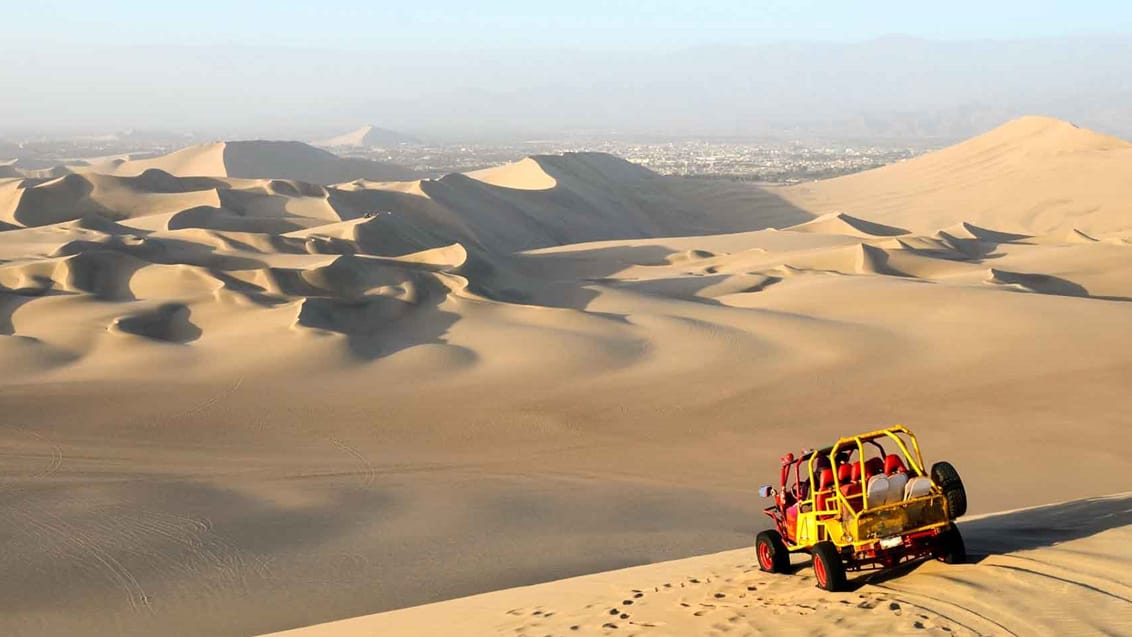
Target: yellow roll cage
<point>918,514</point>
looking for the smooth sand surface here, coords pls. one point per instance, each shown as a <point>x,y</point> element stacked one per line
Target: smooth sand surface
<point>241,405</point>
<point>1062,569</point>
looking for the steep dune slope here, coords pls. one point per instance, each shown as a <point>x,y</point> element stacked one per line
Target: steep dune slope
<point>262,160</point>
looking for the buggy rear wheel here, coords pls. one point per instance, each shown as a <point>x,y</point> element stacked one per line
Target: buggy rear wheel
<point>945,475</point>
<point>771,552</point>
<point>829,570</point>
<point>952,550</point>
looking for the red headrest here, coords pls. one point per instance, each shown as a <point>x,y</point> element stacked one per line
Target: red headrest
<point>844,472</point>
<point>874,466</point>
<point>893,464</point>
<point>855,475</point>
<point>826,479</point>
<point>821,464</point>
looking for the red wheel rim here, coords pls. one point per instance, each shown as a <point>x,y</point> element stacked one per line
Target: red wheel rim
<point>764,556</point>
<point>819,571</point>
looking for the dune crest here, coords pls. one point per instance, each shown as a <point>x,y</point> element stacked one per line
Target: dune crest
<point>259,159</point>
<point>525,174</point>
<point>841,223</point>
<point>1033,175</point>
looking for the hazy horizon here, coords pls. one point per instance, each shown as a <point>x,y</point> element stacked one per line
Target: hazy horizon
<point>887,87</point>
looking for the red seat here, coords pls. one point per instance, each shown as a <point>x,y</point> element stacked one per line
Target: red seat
<point>853,486</point>
<point>893,464</point>
<point>826,480</point>
<point>874,467</point>
<point>825,489</point>
<point>897,478</point>
<point>852,489</point>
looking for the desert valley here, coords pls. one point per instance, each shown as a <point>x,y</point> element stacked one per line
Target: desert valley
<point>252,387</point>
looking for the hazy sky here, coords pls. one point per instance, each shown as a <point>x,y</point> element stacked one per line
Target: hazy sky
<point>468,68</point>
<point>504,24</point>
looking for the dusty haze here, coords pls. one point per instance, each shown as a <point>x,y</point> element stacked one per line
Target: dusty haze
<point>890,87</point>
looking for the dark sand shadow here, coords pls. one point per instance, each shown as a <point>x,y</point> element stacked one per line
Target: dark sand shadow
<point>1028,529</point>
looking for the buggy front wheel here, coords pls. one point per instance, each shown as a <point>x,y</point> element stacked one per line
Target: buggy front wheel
<point>771,552</point>
<point>829,570</point>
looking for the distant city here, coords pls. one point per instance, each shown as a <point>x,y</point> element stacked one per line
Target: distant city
<point>765,161</point>
<point>761,161</point>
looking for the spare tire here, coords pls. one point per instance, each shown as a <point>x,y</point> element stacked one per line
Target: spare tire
<point>947,478</point>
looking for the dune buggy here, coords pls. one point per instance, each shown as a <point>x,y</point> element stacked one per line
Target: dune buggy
<point>864,502</point>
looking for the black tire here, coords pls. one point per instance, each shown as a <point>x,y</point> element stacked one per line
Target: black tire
<point>945,475</point>
<point>952,550</point>
<point>771,553</point>
<point>829,570</point>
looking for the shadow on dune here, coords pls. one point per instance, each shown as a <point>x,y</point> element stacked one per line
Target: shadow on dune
<point>1045,526</point>
<point>369,328</point>
<point>377,325</point>
<point>301,162</point>
<point>601,197</point>
<point>558,279</point>
<point>9,303</point>
<point>169,323</point>
<point>1045,284</point>
<point>1029,529</point>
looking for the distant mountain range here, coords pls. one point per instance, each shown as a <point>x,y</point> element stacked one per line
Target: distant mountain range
<point>893,87</point>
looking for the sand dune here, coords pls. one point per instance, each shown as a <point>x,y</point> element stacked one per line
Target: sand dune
<point>1054,570</point>
<point>1034,175</point>
<point>366,137</point>
<point>240,398</point>
<point>522,175</point>
<point>840,223</point>
<point>261,160</point>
